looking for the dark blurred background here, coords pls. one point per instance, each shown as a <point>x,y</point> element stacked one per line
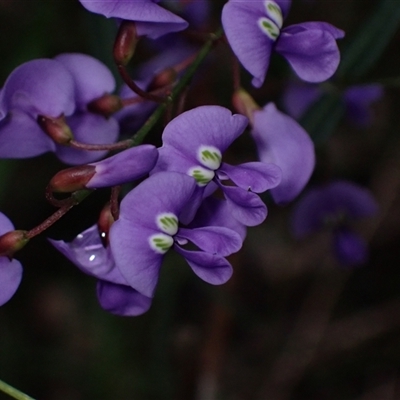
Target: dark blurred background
<point>291,324</point>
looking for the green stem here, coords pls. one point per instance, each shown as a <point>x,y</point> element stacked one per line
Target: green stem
<point>15,393</point>
<point>145,129</point>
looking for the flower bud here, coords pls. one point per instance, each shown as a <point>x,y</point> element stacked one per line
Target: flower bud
<point>104,223</point>
<point>56,128</point>
<point>105,105</point>
<point>245,104</point>
<point>72,179</point>
<point>125,43</point>
<point>164,78</point>
<point>12,241</point>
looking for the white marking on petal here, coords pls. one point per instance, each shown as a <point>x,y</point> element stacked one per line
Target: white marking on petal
<point>168,223</point>
<point>161,242</point>
<point>202,175</point>
<point>210,157</point>
<point>269,28</point>
<point>274,12</point>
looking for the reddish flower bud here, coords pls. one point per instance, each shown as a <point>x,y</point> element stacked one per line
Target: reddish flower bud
<point>125,43</point>
<point>72,179</point>
<point>106,105</point>
<point>12,241</point>
<point>56,128</point>
<point>245,104</point>
<point>164,78</point>
<point>104,223</point>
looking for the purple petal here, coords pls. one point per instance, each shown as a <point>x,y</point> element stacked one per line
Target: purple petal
<point>151,19</point>
<point>10,271</point>
<point>339,199</point>
<point>39,87</point>
<point>311,51</point>
<point>164,192</point>
<point>212,269</point>
<point>88,128</point>
<point>124,167</point>
<point>246,207</point>
<point>350,249</point>
<point>282,141</point>
<point>298,97</point>
<point>92,78</point>
<point>251,46</point>
<point>255,176</point>
<point>137,261</point>
<point>213,239</point>
<point>21,137</point>
<point>216,212</point>
<point>203,126</point>
<point>10,278</point>
<point>122,300</point>
<point>358,100</point>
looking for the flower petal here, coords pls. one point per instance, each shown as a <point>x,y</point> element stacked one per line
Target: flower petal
<point>212,269</point>
<point>124,167</point>
<point>251,46</point>
<point>88,128</point>
<point>10,278</point>
<point>312,53</point>
<point>39,87</point>
<point>350,249</point>
<point>122,300</point>
<point>282,141</point>
<point>22,137</point>
<point>137,261</point>
<point>92,78</point>
<point>151,19</point>
<point>213,239</point>
<point>203,126</point>
<point>255,176</point>
<point>246,207</point>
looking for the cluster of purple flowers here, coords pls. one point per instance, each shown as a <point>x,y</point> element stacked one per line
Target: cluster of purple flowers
<point>46,103</point>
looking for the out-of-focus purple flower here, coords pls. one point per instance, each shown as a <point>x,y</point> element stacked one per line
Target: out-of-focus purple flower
<point>114,293</point>
<point>254,30</point>
<point>282,141</point>
<point>150,19</point>
<point>357,100</point>
<point>335,206</point>
<point>149,225</point>
<point>54,88</point>
<point>10,270</point>
<point>193,144</point>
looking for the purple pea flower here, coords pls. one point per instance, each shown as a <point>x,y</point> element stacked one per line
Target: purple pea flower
<point>254,30</point>
<point>357,100</point>
<point>114,294</point>
<point>54,88</point>
<point>193,144</point>
<point>335,206</point>
<point>10,270</point>
<point>149,225</point>
<point>282,141</point>
<point>150,19</point>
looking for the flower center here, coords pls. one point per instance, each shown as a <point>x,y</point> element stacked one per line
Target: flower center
<point>210,157</point>
<point>168,225</point>
<point>202,175</point>
<point>160,242</point>
<point>271,24</point>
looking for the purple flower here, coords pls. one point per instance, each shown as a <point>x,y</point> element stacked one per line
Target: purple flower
<point>336,206</point>
<point>115,295</point>
<point>193,144</point>
<point>149,225</point>
<point>150,19</point>
<point>55,88</point>
<point>254,30</point>
<point>357,100</point>
<point>282,141</point>
<point>10,270</point>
